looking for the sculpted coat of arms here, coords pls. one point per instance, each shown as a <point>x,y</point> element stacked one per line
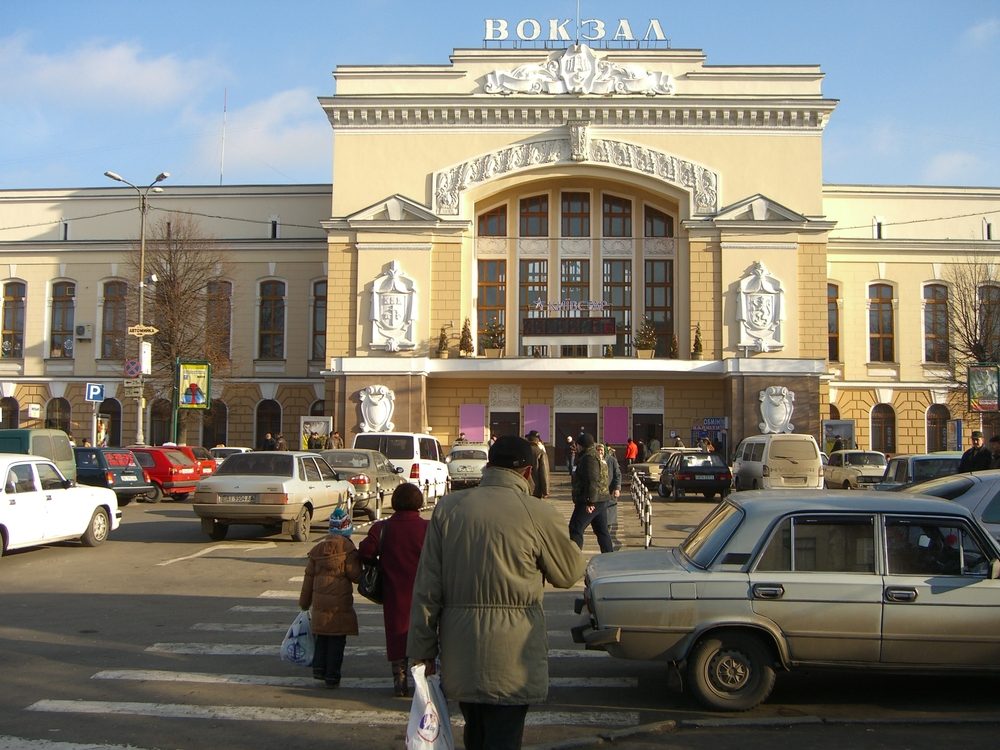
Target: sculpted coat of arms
<point>393,310</point>
<point>761,310</point>
<point>377,405</point>
<point>776,406</point>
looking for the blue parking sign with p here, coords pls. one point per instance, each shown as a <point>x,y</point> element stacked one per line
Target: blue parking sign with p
<point>95,392</point>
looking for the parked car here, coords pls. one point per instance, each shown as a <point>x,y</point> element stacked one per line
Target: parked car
<point>779,580</point>
<point>114,468</point>
<point>51,444</point>
<point>173,474</point>
<point>369,472</point>
<point>777,461</point>
<point>221,451</point>
<point>906,470</point>
<point>854,469</point>
<point>283,490</point>
<point>40,506</point>
<point>201,456</point>
<point>703,473</point>
<point>466,462</point>
<point>420,455</point>
<point>648,471</point>
<point>978,491</point>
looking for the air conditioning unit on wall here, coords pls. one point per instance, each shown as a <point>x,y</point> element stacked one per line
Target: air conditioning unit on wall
<point>84,332</point>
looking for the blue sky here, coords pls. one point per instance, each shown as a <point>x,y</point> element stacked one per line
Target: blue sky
<point>138,87</point>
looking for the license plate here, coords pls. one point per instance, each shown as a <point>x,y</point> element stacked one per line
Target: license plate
<point>707,477</point>
<point>127,478</point>
<point>237,498</point>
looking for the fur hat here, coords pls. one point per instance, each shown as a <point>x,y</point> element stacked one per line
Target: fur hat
<point>511,452</point>
<point>340,523</point>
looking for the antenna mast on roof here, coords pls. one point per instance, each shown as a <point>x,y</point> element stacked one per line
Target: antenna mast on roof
<point>222,157</point>
<point>578,22</point>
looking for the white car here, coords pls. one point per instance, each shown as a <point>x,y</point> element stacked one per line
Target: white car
<point>466,462</point>
<point>854,469</point>
<point>285,490</point>
<point>39,506</point>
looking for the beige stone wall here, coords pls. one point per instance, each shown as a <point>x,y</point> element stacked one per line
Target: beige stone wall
<point>812,315</point>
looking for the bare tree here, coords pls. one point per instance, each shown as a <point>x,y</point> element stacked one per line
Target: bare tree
<point>973,312</point>
<point>188,302</point>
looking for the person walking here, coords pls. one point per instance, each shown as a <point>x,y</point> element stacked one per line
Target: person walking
<point>268,443</point>
<point>570,455</point>
<point>540,470</point>
<point>614,484</point>
<point>976,458</point>
<point>280,444</point>
<point>477,599</point>
<point>631,454</point>
<point>590,495</point>
<point>332,567</point>
<point>396,543</point>
<point>654,445</point>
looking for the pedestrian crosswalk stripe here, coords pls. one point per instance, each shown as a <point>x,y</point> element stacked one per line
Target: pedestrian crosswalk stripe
<point>355,683</point>
<point>252,649</point>
<point>23,743</point>
<point>312,715</point>
<point>278,627</point>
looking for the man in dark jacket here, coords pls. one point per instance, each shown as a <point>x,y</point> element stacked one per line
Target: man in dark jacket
<point>540,471</point>
<point>976,458</point>
<point>590,495</point>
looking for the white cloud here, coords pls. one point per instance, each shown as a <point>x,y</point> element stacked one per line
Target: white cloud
<point>983,33</point>
<point>98,75</point>
<point>953,168</point>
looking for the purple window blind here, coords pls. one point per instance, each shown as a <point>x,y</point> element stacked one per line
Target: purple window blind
<point>536,417</point>
<point>472,421</point>
<point>615,424</point>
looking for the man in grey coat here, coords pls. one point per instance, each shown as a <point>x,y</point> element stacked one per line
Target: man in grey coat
<point>477,598</point>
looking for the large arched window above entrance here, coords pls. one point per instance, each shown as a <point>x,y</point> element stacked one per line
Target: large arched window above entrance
<point>9,413</point>
<point>110,414</point>
<point>268,419</point>
<point>883,429</point>
<point>58,415</point>
<point>937,427</point>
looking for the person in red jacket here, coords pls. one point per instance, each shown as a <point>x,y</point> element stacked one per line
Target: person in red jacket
<point>631,453</point>
<point>402,539</point>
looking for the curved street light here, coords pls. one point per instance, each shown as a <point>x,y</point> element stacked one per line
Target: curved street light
<point>143,193</point>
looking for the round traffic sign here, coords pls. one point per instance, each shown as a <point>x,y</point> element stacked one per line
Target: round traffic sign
<point>132,368</point>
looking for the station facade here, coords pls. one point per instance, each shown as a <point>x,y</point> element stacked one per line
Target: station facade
<point>561,197</point>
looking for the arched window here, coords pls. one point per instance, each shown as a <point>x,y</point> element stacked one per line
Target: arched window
<point>936,323</point>
<point>834,412</point>
<point>937,427</point>
<point>114,320</point>
<point>9,413</point>
<point>12,344</point>
<point>58,416</point>
<point>318,408</point>
<point>617,217</point>
<point>215,424</point>
<point>110,411</point>
<point>657,223</point>
<point>989,323</point>
<point>272,320</point>
<point>318,352</point>
<point>883,429</point>
<point>493,223</point>
<point>160,422</point>
<point>268,419</point>
<point>61,330</point>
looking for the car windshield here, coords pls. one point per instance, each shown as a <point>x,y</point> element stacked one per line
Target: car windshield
<point>347,459</point>
<point>468,455</point>
<point>947,488</point>
<point>258,464</point>
<point>932,468</point>
<point>658,457</point>
<point>864,459</point>
<point>705,542</point>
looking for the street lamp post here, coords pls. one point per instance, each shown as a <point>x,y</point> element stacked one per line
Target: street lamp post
<point>143,193</point>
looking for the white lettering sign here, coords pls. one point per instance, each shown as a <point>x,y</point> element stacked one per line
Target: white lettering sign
<point>591,29</point>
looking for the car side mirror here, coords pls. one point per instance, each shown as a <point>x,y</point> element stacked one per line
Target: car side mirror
<point>397,469</point>
<point>994,569</point>
<point>67,483</point>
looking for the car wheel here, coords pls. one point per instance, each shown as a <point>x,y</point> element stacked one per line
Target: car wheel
<point>678,494</point>
<point>156,495</point>
<point>181,497</point>
<point>730,671</point>
<point>662,491</point>
<point>98,529</point>
<point>218,531</point>
<point>708,495</point>
<point>300,532</point>
<point>847,485</point>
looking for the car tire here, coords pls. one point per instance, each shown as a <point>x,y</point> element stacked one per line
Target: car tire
<point>708,495</point>
<point>218,531</point>
<point>300,531</point>
<point>730,671</point>
<point>677,494</point>
<point>156,495</point>
<point>181,497</point>
<point>662,491</point>
<point>98,528</point>
<point>847,485</point>
<point>123,501</point>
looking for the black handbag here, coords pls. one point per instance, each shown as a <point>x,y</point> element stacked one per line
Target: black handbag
<point>370,583</point>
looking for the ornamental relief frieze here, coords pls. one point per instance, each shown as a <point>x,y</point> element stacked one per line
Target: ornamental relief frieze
<point>647,399</point>
<point>701,183</point>
<point>618,248</point>
<point>533,248</point>
<point>505,397</point>
<point>575,397</point>
<point>494,247</point>
<point>574,248</point>
<point>658,247</point>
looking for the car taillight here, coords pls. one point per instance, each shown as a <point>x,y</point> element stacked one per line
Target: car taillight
<point>274,498</point>
<point>727,476</point>
<point>109,477</point>
<point>684,476</point>
<point>359,479</point>
<point>145,475</point>
<point>415,471</point>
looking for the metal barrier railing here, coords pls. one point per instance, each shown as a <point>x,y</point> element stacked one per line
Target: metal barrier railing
<point>642,499</point>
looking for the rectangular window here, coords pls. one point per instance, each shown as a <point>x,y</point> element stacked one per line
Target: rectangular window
<point>219,318</point>
<point>833,321</point>
<point>318,352</point>
<point>820,544</point>
<point>492,294</point>
<point>617,291</point>
<point>574,281</point>
<point>936,323</point>
<point>533,285</point>
<point>61,332</point>
<point>575,214</point>
<point>493,223</point>
<point>657,223</point>
<point>535,216</point>
<point>617,217</point>
<point>272,320</point>
<point>925,547</point>
<point>113,320</point>
<point>274,229</point>
<point>881,326</point>
<point>989,323</point>
<point>12,342</point>
<point>659,302</point>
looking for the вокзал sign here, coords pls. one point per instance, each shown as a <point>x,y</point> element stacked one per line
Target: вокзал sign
<point>558,30</point>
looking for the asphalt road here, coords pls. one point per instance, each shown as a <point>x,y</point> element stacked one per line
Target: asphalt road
<point>162,639</point>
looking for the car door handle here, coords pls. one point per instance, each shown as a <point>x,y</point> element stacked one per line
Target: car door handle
<point>768,590</point>
<point>901,594</point>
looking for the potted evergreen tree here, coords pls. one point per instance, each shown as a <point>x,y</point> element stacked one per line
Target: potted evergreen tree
<point>645,339</point>
<point>696,349</point>
<point>492,338</point>
<point>674,346</point>
<point>465,347</point>
<point>443,343</point>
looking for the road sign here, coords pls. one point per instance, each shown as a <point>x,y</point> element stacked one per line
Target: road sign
<point>132,389</point>
<point>141,331</point>
<point>94,392</point>
<point>132,368</point>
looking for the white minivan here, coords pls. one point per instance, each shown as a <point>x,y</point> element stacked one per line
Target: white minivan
<point>420,456</point>
<point>777,461</point>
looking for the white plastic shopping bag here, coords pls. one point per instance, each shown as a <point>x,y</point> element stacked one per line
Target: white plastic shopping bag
<point>299,644</point>
<point>429,727</point>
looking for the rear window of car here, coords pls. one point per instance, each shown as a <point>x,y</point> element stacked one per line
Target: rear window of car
<point>144,459</point>
<point>794,449</point>
<point>934,467</point>
<point>706,459</point>
<point>257,464</point>
<point>347,459</point>
<point>468,455</point>
<point>398,447</point>
<point>176,457</point>
<point>119,459</point>
<point>947,488</point>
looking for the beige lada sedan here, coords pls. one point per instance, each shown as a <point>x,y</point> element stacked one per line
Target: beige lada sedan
<point>772,581</point>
